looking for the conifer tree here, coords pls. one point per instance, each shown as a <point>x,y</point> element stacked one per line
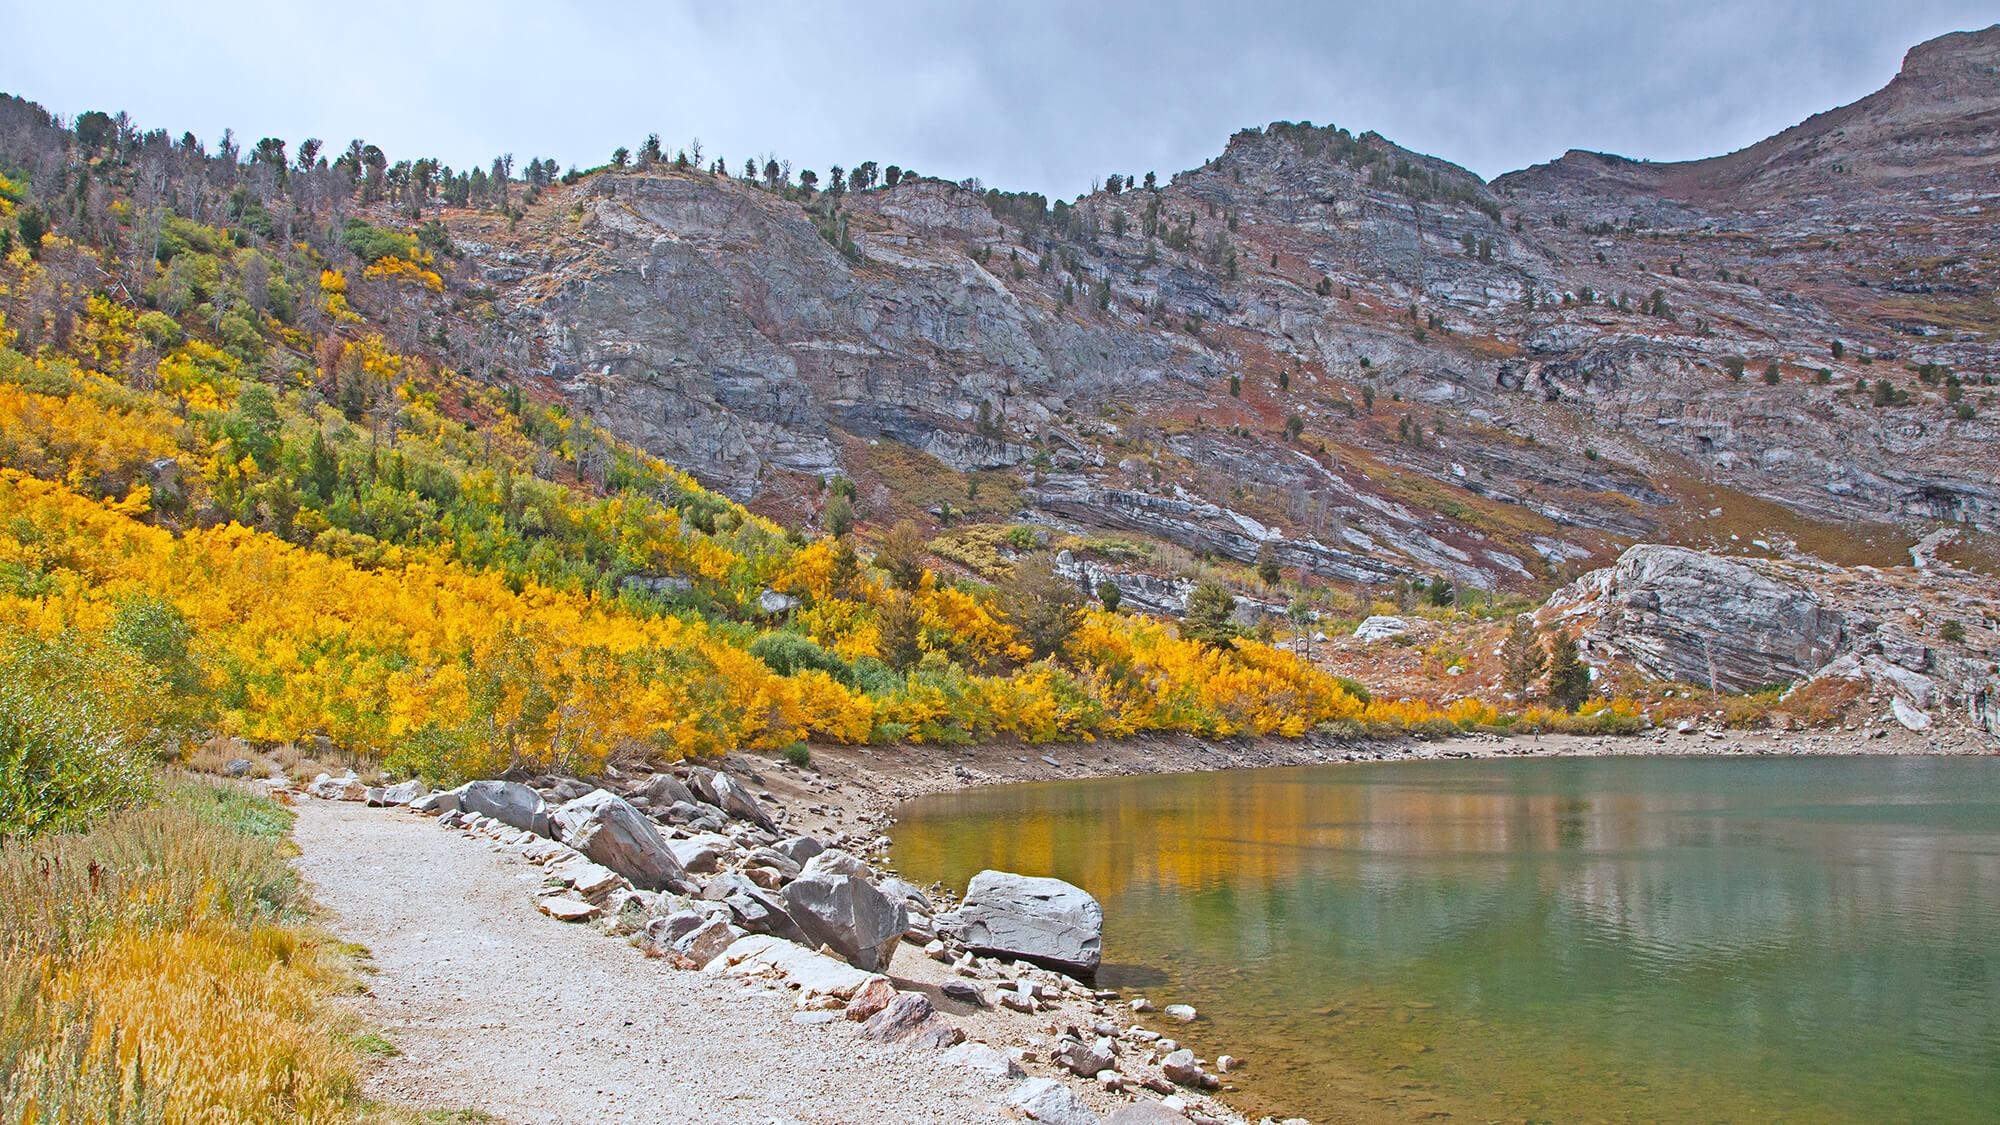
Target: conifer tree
<point>1210,617</point>
<point>1044,608</point>
<point>1522,657</point>
<point>1569,679</point>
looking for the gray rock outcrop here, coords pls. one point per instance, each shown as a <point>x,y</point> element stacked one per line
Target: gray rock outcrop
<point>1046,921</point>
<point>1689,616</point>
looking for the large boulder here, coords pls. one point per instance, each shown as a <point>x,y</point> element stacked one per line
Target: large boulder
<point>1046,921</point>
<point>756,909</point>
<point>605,827</point>
<point>664,789</point>
<point>508,802</point>
<point>800,848</point>
<point>330,788</point>
<point>901,1016</point>
<point>401,793</point>
<point>733,798</point>
<point>702,854</point>
<point>833,861</point>
<point>1685,615</point>
<point>849,915</point>
<point>698,815</point>
<point>706,942</point>
<point>701,780</point>
<point>1049,1101</point>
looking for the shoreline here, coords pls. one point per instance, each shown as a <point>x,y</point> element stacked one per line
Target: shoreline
<point>452,1056</point>
<point>866,786</point>
<point>908,773</point>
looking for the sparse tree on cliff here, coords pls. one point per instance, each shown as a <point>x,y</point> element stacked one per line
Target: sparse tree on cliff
<point>1569,680</point>
<point>838,516</point>
<point>1522,657</point>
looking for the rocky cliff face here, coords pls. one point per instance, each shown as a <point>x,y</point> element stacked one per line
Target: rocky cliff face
<point>1695,618</point>
<point>1430,374</point>
<point>1922,637</point>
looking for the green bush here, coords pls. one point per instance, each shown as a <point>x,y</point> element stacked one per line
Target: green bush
<point>799,754</point>
<point>75,730</point>
<point>871,675</point>
<point>1355,688</point>
<point>788,654</point>
<point>371,244</point>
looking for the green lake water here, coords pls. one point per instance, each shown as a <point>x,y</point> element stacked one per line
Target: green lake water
<point>1618,940</point>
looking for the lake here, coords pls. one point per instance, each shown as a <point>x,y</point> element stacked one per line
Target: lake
<point>1613,939</point>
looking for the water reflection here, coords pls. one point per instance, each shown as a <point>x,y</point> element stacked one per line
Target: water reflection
<point>1673,939</point>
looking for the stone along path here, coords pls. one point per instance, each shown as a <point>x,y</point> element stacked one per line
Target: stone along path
<point>497,1008</point>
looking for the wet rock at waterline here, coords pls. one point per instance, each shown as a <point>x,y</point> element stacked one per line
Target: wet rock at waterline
<point>1046,921</point>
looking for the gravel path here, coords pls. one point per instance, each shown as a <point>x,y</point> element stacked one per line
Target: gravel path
<point>498,1008</point>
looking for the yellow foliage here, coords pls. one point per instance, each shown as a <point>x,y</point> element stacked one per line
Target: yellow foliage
<point>1472,713</point>
<point>312,644</point>
<point>394,269</point>
<point>845,628</point>
<point>79,440</point>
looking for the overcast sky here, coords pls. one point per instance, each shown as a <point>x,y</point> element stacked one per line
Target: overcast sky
<point>1023,94</point>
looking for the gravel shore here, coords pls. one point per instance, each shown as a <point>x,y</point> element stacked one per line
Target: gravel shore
<point>498,1008</point>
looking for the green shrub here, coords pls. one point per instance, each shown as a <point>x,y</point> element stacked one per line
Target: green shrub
<point>371,243</point>
<point>1355,688</point>
<point>799,754</point>
<point>788,654</point>
<point>869,674</point>
<point>1953,631</point>
<point>74,732</point>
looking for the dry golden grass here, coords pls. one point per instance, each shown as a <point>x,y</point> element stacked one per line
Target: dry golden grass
<point>159,968</point>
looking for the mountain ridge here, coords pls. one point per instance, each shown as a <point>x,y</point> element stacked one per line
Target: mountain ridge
<point>1564,359</point>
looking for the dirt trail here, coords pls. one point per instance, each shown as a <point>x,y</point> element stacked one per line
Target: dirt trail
<point>498,1008</point>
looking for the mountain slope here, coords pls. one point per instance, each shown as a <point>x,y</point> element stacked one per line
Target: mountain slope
<point>1362,356</point>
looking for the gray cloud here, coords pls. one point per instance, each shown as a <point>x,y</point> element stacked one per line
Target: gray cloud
<point>1032,95</point>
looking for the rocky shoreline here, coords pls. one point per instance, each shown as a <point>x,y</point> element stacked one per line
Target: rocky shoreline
<point>773,871</point>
